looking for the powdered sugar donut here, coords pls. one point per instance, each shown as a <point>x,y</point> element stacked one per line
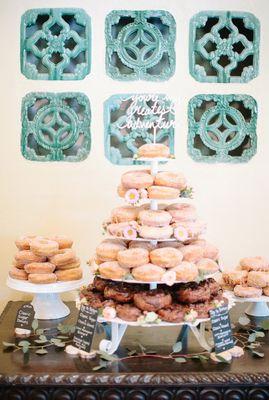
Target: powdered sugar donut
<point>124,214</point>
<point>108,249</point>
<point>186,272</point>
<point>254,264</point>
<point>64,256</point>
<point>118,229</point>
<point>39,268</point>
<point>258,279</point>
<point>154,217</point>
<point>155,232</point>
<point>44,247</point>
<point>131,258</point>
<point>64,242</point>
<point>170,179</point>
<point>192,253</point>
<point>27,256</point>
<point>207,266</point>
<point>247,291</point>
<point>112,270</point>
<point>23,243</point>
<point>182,212</point>
<point>233,278</point>
<point>142,244</point>
<point>163,192</point>
<point>148,273</point>
<point>152,150</point>
<point>136,179</point>
<point>16,273</point>
<point>166,257</point>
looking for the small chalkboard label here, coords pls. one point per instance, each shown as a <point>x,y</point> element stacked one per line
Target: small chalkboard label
<point>85,328</point>
<point>221,328</point>
<point>25,317</point>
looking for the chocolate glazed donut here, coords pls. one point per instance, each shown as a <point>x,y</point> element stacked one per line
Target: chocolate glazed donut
<point>152,300</point>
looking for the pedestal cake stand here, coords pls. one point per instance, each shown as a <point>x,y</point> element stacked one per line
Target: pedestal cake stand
<point>257,306</point>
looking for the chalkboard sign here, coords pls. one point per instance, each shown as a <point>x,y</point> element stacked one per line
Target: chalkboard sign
<point>85,328</point>
<point>221,328</point>
<point>25,316</point>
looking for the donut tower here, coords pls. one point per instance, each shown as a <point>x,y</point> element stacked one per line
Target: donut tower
<point>153,269</point>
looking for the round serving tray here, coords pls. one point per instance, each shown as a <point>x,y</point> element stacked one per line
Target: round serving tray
<point>229,294</point>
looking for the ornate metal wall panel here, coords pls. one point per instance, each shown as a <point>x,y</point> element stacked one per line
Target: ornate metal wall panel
<point>134,119</point>
<point>55,127</point>
<point>224,46</point>
<point>55,43</point>
<point>140,45</point>
<point>222,128</point>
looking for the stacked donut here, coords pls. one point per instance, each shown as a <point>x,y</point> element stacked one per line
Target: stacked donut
<point>45,260</point>
<point>132,301</point>
<point>146,262</point>
<point>178,221</point>
<point>250,279</point>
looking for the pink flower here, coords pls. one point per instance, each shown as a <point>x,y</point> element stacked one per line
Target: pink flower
<point>109,313</point>
<point>131,196</point>
<point>143,194</point>
<point>181,233</point>
<point>129,233</point>
<point>169,278</point>
<point>191,316</point>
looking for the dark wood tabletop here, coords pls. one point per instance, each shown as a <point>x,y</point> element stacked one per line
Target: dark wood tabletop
<point>58,376</point>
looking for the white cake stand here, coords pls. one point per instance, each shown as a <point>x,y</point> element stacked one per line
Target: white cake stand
<point>257,306</point>
<point>47,301</point>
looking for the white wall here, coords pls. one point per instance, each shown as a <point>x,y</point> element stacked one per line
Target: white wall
<point>74,198</point>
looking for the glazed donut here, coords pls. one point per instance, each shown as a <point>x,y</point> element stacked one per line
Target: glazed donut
<point>112,270</point>
<point>170,179</point>
<point>64,242</point>
<point>207,266</point>
<point>182,212</point>
<point>121,191</point>
<point>154,232</point>
<point>258,279</point>
<point>192,253</point>
<point>254,264</point>
<point>64,256</point>
<point>39,268</point>
<point>174,313</point>
<point>163,192</point>
<point>16,273</point>
<point>186,272</point>
<point>142,245</point>
<point>194,228</point>
<point>152,150</point>
<point>152,300</point>
<point>27,256</point>
<point>44,247</point>
<point>233,278</point>
<point>124,214</point>
<point>74,264</point>
<point>132,258</point>
<point>23,243</point>
<point>108,249</point>
<point>154,218</point>
<point>136,179</point>
<point>120,293</point>
<point>193,293</point>
<point>118,229</point>
<point>148,273</point>
<point>247,291</point>
<point>42,278</point>
<point>73,274</point>
<point>166,257</point>
<point>128,312</point>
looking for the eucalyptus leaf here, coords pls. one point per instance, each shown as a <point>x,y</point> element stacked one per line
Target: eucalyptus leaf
<point>132,353</point>
<point>43,337</point>
<point>106,356</point>
<point>180,360</point>
<point>244,320</point>
<point>24,343</point>
<point>260,334</point>
<point>98,367</point>
<point>7,344</point>
<point>222,359</point>
<point>39,341</point>
<point>177,347</point>
<point>35,324</point>
<point>258,354</point>
<point>25,349</point>
<point>62,337</point>
<point>203,358</point>
<point>39,331</point>
<point>252,337</point>
<point>60,344</point>
<point>41,352</point>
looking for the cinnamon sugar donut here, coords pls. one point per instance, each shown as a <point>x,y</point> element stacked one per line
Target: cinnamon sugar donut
<point>153,150</point>
<point>39,268</point>
<point>247,291</point>
<point>258,279</point>
<point>152,300</point>
<point>154,217</point>
<point>207,266</point>
<point>192,253</point>
<point>64,242</point>
<point>124,214</point>
<point>44,247</point>
<point>148,273</point>
<point>142,245</point>
<point>163,192</point>
<point>254,264</point>
<point>186,272</point>
<point>64,256</point>
<point>42,278</point>
<point>182,212</point>
<point>16,273</point>
<point>108,249</point>
<point>170,179</point>
<point>23,243</point>
<point>73,274</point>
<point>133,257</point>
<point>27,256</point>
<point>154,232</point>
<point>71,265</point>
<point>136,179</point>
<point>128,312</point>
<point>233,278</point>
<point>112,270</point>
<point>118,229</point>
<point>173,314</point>
<point>166,257</point>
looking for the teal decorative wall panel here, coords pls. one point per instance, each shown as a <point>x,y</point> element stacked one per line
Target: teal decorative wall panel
<point>55,127</point>
<point>131,120</point>
<point>222,128</point>
<point>224,46</point>
<point>55,43</point>
<point>140,45</point>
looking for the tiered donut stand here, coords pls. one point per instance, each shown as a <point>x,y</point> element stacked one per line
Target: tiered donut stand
<point>116,327</point>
